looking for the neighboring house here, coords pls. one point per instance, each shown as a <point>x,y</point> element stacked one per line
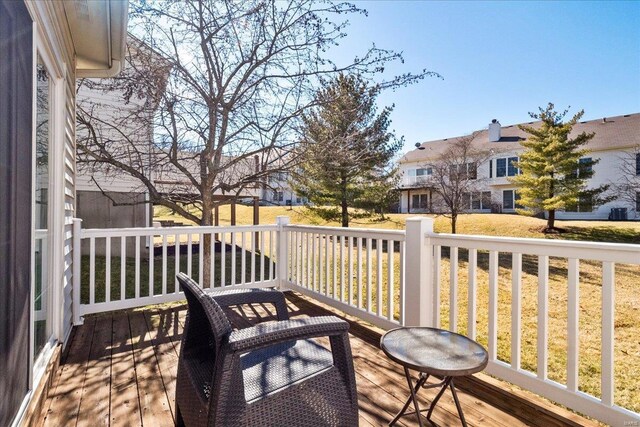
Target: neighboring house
<point>615,142</point>
<point>108,197</point>
<point>44,47</point>
<point>105,196</point>
<point>278,191</point>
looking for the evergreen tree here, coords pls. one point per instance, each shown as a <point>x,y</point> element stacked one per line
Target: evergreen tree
<point>554,169</point>
<point>347,152</point>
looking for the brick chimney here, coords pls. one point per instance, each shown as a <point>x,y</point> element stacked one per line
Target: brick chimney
<point>494,131</point>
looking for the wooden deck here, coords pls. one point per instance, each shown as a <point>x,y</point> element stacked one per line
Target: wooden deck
<point>120,368</point>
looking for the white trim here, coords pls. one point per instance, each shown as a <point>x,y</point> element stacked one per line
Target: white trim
<point>32,263</point>
<point>22,410</point>
<point>44,49</point>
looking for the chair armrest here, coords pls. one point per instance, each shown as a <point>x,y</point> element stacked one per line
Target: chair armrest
<point>231,297</point>
<point>267,334</point>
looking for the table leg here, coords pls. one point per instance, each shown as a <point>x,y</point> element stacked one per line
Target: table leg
<point>447,381</point>
<point>412,397</point>
<point>455,398</point>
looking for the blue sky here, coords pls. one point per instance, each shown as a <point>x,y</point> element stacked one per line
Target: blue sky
<point>503,59</point>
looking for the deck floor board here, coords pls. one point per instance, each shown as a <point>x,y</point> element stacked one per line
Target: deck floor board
<point>120,370</point>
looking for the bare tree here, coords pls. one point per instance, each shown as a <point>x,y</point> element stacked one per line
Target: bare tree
<point>454,178</point>
<point>235,78</point>
<point>626,187</point>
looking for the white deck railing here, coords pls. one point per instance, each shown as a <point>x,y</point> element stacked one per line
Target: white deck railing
<point>389,278</point>
<point>567,256</point>
<point>244,256</point>
<point>359,271</point>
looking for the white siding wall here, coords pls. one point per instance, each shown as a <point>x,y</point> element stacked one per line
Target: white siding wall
<point>606,172</point>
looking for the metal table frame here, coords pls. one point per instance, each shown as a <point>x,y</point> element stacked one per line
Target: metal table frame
<point>432,357</point>
<point>422,383</point>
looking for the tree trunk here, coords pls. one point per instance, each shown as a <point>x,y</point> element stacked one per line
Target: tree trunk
<point>454,219</point>
<point>208,246</point>
<point>551,220</point>
<point>344,204</point>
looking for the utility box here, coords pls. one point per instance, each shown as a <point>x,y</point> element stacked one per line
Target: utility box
<point>618,214</point>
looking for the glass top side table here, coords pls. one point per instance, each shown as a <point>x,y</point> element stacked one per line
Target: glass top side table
<point>432,351</point>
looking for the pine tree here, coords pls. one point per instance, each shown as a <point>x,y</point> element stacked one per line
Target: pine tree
<point>554,169</point>
<point>346,152</point>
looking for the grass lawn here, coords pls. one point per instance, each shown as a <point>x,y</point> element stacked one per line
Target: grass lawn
<point>627,318</point>
<point>482,224</point>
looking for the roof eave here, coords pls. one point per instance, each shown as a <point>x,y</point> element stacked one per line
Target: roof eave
<point>111,19</point>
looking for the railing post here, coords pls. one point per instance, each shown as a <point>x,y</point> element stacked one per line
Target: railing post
<point>77,259</point>
<point>418,295</point>
<point>282,257</point>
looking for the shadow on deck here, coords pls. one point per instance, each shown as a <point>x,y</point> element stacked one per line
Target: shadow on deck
<point>119,369</point>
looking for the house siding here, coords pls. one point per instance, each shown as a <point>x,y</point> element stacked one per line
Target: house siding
<point>607,171</point>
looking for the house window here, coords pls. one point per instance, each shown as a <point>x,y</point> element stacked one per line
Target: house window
<point>501,167</point>
<point>585,204</point>
<point>506,167</point>
<point>419,201</point>
<point>476,203</point>
<point>486,200</point>
<point>490,168</point>
<point>278,177</point>
<point>584,167</point>
<point>472,170</point>
<point>638,201</point>
<point>510,200</point>
<point>513,170</point>
<point>298,200</point>
<point>420,172</point>
<point>637,163</point>
<point>278,196</point>
<point>463,171</point>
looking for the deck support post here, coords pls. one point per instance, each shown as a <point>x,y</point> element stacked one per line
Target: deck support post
<point>77,259</point>
<point>282,257</point>
<point>419,293</point>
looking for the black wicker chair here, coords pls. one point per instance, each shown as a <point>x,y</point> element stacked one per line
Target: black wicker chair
<point>271,374</point>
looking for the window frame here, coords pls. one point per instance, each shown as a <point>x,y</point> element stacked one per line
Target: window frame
<point>512,195</point>
<point>56,212</point>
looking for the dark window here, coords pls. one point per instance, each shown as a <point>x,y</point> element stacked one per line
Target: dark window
<point>638,201</point>
<point>513,170</point>
<point>475,201</point>
<point>473,171</point>
<point>507,199</point>
<point>453,172</point>
<point>486,200</point>
<point>585,167</point>
<point>585,204</point>
<point>501,167</point>
<point>637,163</point>
<point>419,201</point>
<point>490,168</point>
